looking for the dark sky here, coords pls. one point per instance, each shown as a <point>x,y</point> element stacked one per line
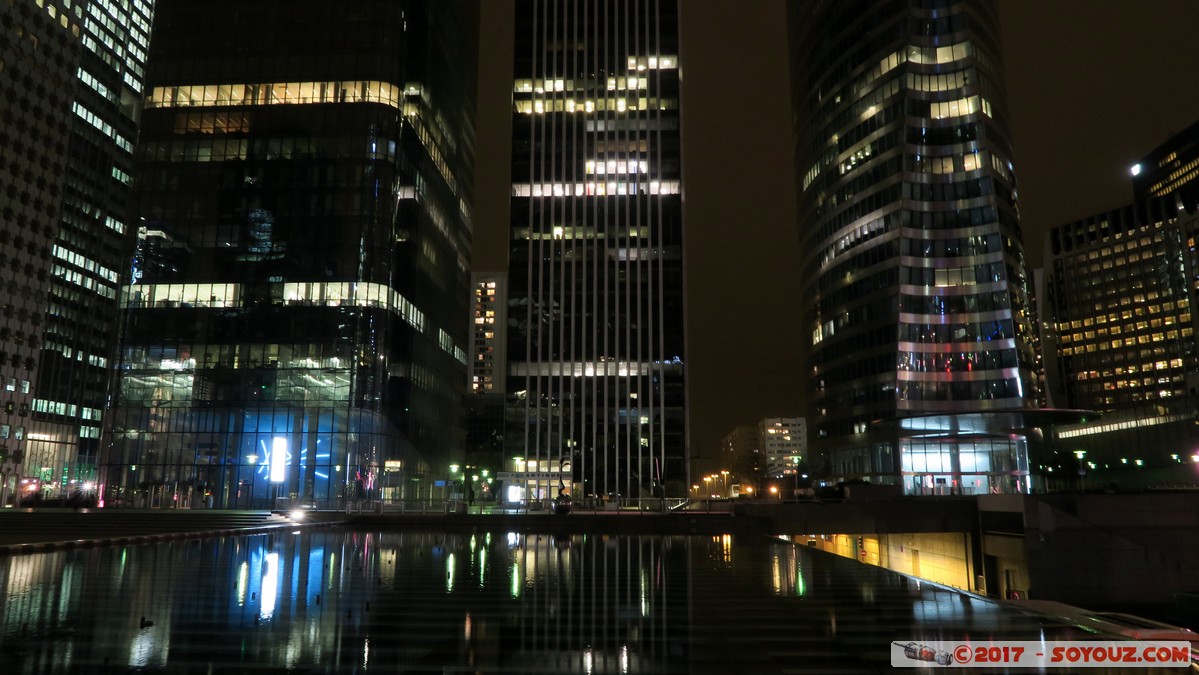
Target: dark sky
<point>1092,86</point>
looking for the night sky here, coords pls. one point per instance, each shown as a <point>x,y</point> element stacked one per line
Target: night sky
<point>1092,86</point>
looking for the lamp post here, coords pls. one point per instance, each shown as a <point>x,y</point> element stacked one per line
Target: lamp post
<point>1082,469</point>
<point>724,483</point>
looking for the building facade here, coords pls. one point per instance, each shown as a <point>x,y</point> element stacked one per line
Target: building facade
<point>912,267</point>
<point>595,338</point>
<point>783,442</point>
<point>73,85</point>
<point>489,331</point>
<point>1118,303</point>
<point>740,453</point>
<point>1119,329</point>
<point>487,407</point>
<point>296,326</point>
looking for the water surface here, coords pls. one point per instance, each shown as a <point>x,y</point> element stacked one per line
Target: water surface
<point>333,601</point>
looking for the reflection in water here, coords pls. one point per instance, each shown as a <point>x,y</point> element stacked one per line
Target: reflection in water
<point>330,601</point>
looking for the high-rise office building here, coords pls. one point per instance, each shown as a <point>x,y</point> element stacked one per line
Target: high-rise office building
<point>72,77</point>
<point>1118,303</point>
<point>488,340</point>
<point>1117,315</point>
<point>596,260</point>
<point>913,274</point>
<point>486,403</point>
<point>297,323</point>
<point>1119,295</point>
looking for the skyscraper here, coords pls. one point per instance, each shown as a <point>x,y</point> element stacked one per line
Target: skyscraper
<point>489,326</point>
<point>72,81</point>
<point>914,286</point>
<point>596,269</point>
<point>297,323</point>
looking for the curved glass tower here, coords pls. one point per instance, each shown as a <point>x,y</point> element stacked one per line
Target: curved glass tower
<point>913,264</point>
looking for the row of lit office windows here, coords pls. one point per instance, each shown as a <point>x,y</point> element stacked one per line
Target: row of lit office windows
<point>276,148</point>
<point>570,105</point>
<point>1126,342</point>
<point>326,294</point>
<point>1135,383</point>
<point>1144,353</point>
<point>1107,263</point>
<point>1117,329</point>
<point>1081,231</point>
<point>1130,369</point>
<point>277,93</point>
<point>1125,315</point>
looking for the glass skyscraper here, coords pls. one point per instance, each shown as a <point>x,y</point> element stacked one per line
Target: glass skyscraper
<point>296,325</point>
<point>914,286</point>
<point>68,125</point>
<point>595,335</point>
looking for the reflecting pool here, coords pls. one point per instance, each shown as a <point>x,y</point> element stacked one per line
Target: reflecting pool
<point>334,601</point>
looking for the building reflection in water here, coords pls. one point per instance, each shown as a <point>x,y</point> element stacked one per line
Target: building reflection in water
<point>334,601</point>
<point>330,600</point>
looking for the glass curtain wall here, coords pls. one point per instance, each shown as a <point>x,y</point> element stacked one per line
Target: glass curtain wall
<point>916,292</point>
<point>296,325</point>
<point>595,334</point>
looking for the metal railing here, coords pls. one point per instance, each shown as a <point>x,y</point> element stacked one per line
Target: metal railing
<point>624,506</point>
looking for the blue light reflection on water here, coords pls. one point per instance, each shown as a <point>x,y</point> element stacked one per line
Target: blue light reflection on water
<point>334,601</point>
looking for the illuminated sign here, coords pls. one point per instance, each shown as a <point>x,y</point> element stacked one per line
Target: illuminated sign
<point>278,459</point>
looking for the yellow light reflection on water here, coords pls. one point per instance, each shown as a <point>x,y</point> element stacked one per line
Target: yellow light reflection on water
<point>243,579</point>
<point>449,573</point>
<point>644,583</point>
<point>482,567</point>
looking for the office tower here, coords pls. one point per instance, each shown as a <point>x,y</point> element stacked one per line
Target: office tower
<point>486,403</point>
<point>1119,329</point>
<point>595,338</point>
<point>297,325</point>
<point>913,279</point>
<point>71,76</point>
<point>1119,308</point>
<point>489,328</point>
<point>1170,170</point>
<point>1119,292</point>
<point>784,443</point>
<point>35,131</point>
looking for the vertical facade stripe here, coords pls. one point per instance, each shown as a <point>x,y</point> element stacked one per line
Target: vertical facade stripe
<point>597,344</point>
